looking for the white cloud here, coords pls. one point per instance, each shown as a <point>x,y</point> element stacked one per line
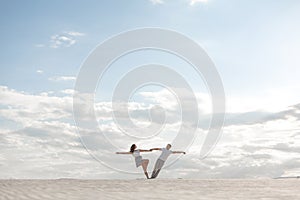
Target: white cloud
<point>61,41</point>
<point>272,100</point>
<point>155,2</point>
<point>64,39</point>
<point>194,2</point>
<point>68,91</point>
<point>26,109</point>
<point>191,2</point>
<point>168,100</point>
<point>62,78</point>
<point>39,71</point>
<point>45,143</point>
<point>74,33</point>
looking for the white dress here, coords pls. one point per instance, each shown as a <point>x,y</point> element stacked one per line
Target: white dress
<point>138,158</point>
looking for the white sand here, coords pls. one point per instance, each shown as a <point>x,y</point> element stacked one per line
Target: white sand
<point>150,189</point>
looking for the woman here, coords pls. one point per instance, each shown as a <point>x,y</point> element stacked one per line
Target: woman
<point>139,161</point>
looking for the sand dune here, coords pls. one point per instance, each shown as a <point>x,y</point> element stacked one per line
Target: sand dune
<point>150,189</point>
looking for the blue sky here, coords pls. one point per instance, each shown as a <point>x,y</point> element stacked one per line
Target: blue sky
<point>254,44</point>
<point>244,38</point>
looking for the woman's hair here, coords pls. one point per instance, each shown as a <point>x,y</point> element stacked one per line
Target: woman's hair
<point>132,148</point>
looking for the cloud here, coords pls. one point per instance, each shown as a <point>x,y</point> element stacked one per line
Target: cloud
<point>27,109</point>
<point>39,140</point>
<point>74,33</point>
<point>39,71</point>
<point>155,2</point>
<point>61,41</point>
<point>273,100</point>
<point>46,150</point>
<point>191,2</point>
<point>62,78</point>
<point>194,2</point>
<point>68,91</point>
<point>64,39</point>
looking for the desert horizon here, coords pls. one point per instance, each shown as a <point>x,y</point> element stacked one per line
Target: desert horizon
<point>163,189</point>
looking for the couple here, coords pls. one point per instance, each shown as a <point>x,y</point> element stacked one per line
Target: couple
<point>139,161</point>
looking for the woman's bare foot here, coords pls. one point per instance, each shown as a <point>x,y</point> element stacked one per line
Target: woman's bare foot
<point>146,173</point>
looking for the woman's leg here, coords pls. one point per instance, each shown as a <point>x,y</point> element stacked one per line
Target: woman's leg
<point>145,163</point>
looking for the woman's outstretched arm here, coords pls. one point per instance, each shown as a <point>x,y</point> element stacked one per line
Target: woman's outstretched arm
<point>123,153</point>
<point>178,152</point>
<point>144,150</point>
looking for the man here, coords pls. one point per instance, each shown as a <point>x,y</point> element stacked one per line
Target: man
<point>162,158</point>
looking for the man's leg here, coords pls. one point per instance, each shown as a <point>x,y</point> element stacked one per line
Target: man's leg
<point>159,164</point>
<point>155,168</point>
<point>153,173</point>
<point>156,173</point>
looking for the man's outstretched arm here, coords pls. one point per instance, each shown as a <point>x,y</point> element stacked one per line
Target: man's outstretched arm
<point>158,149</point>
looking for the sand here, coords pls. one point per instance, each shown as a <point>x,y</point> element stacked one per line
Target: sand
<point>264,189</point>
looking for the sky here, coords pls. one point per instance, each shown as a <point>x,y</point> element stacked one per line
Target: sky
<point>253,44</point>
